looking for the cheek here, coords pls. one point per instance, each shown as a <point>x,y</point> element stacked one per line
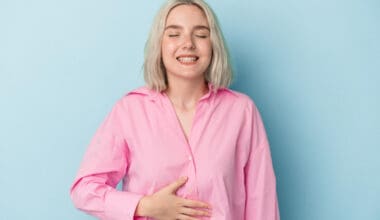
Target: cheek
<point>209,56</point>
<point>207,49</point>
<point>167,52</point>
<point>167,48</point>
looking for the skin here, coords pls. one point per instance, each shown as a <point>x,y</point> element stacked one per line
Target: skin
<point>186,54</point>
<point>165,205</point>
<point>186,35</point>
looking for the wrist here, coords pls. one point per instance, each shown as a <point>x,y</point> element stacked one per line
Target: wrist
<point>143,207</point>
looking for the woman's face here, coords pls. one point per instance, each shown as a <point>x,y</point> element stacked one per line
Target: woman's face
<point>186,45</point>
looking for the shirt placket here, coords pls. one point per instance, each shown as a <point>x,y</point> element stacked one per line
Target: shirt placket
<point>191,185</point>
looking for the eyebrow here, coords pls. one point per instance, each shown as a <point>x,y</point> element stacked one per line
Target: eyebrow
<point>180,27</point>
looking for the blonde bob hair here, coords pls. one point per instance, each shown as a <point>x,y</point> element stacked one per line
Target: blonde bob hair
<point>219,72</point>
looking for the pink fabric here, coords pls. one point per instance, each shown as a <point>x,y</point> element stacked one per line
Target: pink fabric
<point>227,158</point>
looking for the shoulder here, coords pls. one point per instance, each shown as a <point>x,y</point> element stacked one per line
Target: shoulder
<point>138,94</point>
<point>139,91</point>
<point>132,98</point>
<point>236,97</point>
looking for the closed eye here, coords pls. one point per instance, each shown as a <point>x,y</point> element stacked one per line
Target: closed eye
<point>173,35</point>
<point>201,36</point>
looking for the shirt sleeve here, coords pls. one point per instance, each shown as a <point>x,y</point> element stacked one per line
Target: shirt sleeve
<point>104,165</point>
<point>260,180</point>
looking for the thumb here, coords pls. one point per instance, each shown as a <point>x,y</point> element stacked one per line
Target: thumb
<point>173,187</point>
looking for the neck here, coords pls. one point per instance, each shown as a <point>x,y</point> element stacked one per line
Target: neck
<point>185,94</point>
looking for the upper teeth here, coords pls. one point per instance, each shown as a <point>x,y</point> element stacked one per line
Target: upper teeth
<point>187,59</point>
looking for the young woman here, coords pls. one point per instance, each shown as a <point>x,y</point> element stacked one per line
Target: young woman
<point>185,146</point>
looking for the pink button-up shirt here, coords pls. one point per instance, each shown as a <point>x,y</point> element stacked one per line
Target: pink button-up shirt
<point>226,157</point>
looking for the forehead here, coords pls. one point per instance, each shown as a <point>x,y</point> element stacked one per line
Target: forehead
<point>186,14</point>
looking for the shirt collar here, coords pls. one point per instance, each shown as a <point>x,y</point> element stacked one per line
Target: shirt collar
<point>153,95</point>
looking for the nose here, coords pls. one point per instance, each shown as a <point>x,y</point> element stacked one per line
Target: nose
<point>188,42</point>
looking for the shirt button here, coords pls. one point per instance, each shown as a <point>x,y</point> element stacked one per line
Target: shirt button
<point>190,158</point>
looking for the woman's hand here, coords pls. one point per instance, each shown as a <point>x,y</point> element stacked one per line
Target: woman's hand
<point>166,205</point>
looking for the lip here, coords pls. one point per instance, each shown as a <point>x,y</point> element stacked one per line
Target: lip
<point>187,56</point>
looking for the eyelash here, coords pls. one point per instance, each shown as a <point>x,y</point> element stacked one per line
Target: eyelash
<point>177,35</point>
<point>201,36</point>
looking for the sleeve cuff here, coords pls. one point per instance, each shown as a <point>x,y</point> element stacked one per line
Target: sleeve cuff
<point>121,204</point>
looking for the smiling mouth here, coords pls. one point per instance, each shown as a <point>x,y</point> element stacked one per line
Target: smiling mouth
<point>187,59</point>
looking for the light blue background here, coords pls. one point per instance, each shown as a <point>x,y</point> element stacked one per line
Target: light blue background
<point>312,68</point>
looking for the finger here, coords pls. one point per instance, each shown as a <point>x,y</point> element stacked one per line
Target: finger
<point>173,187</point>
<point>185,217</point>
<point>194,212</point>
<point>196,204</point>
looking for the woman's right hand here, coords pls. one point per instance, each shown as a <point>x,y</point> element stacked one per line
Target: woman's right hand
<point>166,205</point>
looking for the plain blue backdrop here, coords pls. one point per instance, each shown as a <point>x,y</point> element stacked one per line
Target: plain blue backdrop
<point>312,67</point>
